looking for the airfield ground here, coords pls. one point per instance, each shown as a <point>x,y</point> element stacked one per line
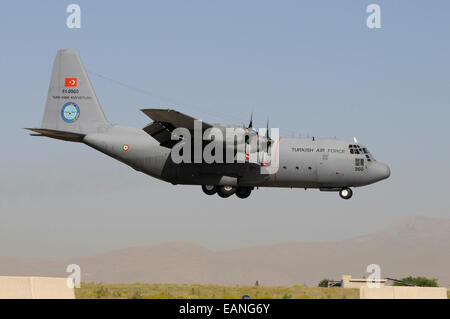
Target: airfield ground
<point>194,291</point>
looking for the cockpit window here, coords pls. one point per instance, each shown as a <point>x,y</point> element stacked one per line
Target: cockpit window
<point>357,149</point>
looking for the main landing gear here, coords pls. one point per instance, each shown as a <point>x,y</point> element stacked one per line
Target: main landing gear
<point>227,191</point>
<point>346,193</point>
<point>209,189</point>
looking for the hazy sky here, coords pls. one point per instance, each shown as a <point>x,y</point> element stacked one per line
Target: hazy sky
<point>313,67</point>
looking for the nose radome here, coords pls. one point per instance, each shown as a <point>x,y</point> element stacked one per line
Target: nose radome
<point>379,171</point>
<point>388,171</point>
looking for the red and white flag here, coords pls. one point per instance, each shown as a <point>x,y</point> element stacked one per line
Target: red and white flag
<point>70,82</point>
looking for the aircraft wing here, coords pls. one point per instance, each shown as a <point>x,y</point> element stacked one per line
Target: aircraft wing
<point>167,120</point>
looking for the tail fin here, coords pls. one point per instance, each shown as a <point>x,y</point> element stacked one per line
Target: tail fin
<point>72,105</point>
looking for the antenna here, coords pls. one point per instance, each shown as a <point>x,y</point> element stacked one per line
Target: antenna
<point>355,140</point>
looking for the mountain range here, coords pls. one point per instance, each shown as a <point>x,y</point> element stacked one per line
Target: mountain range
<point>416,246</point>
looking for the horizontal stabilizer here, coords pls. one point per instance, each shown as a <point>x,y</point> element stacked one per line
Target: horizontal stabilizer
<point>60,135</point>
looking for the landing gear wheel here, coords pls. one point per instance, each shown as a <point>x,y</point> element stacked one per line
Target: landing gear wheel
<point>209,189</point>
<point>243,192</point>
<point>346,193</point>
<point>226,191</point>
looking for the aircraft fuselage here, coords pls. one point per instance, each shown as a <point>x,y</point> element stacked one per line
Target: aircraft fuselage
<point>302,162</point>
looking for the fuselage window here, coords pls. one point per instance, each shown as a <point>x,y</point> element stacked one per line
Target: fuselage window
<point>359,164</point>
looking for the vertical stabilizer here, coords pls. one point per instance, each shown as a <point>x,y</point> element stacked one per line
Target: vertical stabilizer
<point>72,105</point>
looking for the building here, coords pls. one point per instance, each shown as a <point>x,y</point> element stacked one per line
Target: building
<point>349,282</point>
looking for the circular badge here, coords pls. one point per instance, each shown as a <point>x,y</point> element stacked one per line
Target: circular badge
<point>125,147</point>
<point>70,112</point>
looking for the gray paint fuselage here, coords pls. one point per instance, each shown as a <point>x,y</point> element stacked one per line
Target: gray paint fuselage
<point>302,162</point>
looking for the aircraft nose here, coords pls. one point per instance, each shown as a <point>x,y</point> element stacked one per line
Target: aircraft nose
<point>379,171</point>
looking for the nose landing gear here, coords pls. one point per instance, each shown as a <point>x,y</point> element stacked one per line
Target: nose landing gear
<point>346,193</point>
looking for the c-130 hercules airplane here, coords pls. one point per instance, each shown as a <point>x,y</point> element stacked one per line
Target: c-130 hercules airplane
<point>73,113</point>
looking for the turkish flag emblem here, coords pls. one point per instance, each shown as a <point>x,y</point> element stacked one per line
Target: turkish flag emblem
<point>70,82</point>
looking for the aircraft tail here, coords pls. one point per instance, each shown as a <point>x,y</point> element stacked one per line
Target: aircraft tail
<point>72,105</point>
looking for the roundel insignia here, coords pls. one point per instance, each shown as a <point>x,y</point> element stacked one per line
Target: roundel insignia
<point>125,147</point>
<point>70,112</point>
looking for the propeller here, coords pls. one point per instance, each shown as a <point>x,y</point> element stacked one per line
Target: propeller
<point>250,130</point>
<point>268,139</point>
<point>260,139</point>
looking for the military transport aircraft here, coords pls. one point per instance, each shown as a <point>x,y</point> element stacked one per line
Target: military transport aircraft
<point>73,113</point>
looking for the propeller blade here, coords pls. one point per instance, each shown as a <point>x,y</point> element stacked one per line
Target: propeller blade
<point>268,139</point>
<point>250,125</point>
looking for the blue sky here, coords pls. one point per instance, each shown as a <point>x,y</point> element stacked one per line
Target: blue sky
<point>313,67</point>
